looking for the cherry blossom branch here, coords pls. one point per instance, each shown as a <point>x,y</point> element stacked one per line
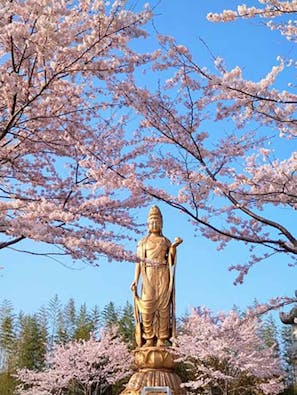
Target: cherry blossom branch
<point>11,242</point>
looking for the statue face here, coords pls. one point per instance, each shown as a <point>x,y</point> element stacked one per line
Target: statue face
<point>154,225</point>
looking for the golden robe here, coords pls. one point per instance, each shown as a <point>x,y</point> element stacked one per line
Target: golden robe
<point>155,307</point>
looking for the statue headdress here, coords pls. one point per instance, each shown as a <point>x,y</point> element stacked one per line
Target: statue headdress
<point>155,213</point>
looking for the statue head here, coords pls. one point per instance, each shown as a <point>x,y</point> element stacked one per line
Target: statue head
<point>155,220</point>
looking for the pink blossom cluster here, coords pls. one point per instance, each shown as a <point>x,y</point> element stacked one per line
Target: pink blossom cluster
<point>87,364</point>
<point>84,143</point>
<point>270,9</point>
<point>67,171</point>
<point>226,351</point>
<point>231,185</point>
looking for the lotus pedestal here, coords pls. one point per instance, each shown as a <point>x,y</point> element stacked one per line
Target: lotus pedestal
<point>155,368</point>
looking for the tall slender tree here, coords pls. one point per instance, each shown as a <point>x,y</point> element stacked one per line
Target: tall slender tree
<point>8,341</point>
<point>55,319</point>
<point>126,324</point>
<point>96,318</point>
<point>7,331</point>
<point>70,318</point>
<point>270,335</point>
<point>288,355</point>
<point>84,324</point>
<point>31,344</point>
<point>110,315</point>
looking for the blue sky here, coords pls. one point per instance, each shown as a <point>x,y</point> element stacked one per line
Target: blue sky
<point>202,275</point>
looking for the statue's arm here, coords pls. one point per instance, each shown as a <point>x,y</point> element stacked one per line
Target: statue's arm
<point>172,248</point>
<point>139,254</point>
<point>136,278</point>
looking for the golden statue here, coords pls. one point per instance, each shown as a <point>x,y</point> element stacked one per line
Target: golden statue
<point>155,313</point>
<point>155,309</point>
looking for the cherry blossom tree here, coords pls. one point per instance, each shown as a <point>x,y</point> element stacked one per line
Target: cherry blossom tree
<point>232,185</point>
<point>71,171</point>
<point>64,149</point>
<point>226,353</point>
<point>89,366</point>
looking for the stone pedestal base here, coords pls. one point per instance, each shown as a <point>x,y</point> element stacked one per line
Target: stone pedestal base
<point>155,368</point>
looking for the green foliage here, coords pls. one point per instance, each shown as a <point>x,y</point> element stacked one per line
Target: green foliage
<point>269,333</point>
<point>31,344</point>
<point>24,338</point>
<point>95,317</point>
<point>55,318</point>
<point>84,324</point>
<point>291,390</point>
<point>70,322</point>
<point>70,319</point>
<point>7,383</point>
<point>126,324</point>
<point>123,318</point>
<point>287,347</point>
<point>110,315</point>
<point>7,330</point>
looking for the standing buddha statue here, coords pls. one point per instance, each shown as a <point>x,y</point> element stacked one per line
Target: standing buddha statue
<point>155,308</point>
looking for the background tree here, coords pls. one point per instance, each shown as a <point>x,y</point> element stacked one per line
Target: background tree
<point>31,344</point>
<point>84,324</point>
<point>95,318</point>
<point>27,340</point>
<point>89,366</point>
<point>110,315</point>
<point>233,185</point>
<point>7,331</point>
<point>225,354</point>
<point>71,169</point>
<point>288,357</point>
<point>122,318</point>
<point>63,145</point>
<point>269,333</point>
<point>126,325</point>
<point>55,320</point>
<point>7,347</point>
<point>70,318</point>
<point>70,322</point>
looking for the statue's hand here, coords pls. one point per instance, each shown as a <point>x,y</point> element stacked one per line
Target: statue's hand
<point>177,241</point>
<point>134,287</point>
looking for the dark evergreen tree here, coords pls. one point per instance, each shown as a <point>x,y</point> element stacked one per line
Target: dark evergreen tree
<point>288,354</point>
<point>24,339</point>
<point>269,333</point>
<point>126,324</point>
<point>7,348</point>
<point>70,318</point>
<point>7,383</point>
<point>42,319</point>
<point>110,315</point>
<point>31,344</point>
<point>84,324</point>
<point>96,319</point>
<point>55,320</point>
<point>7,332</point>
